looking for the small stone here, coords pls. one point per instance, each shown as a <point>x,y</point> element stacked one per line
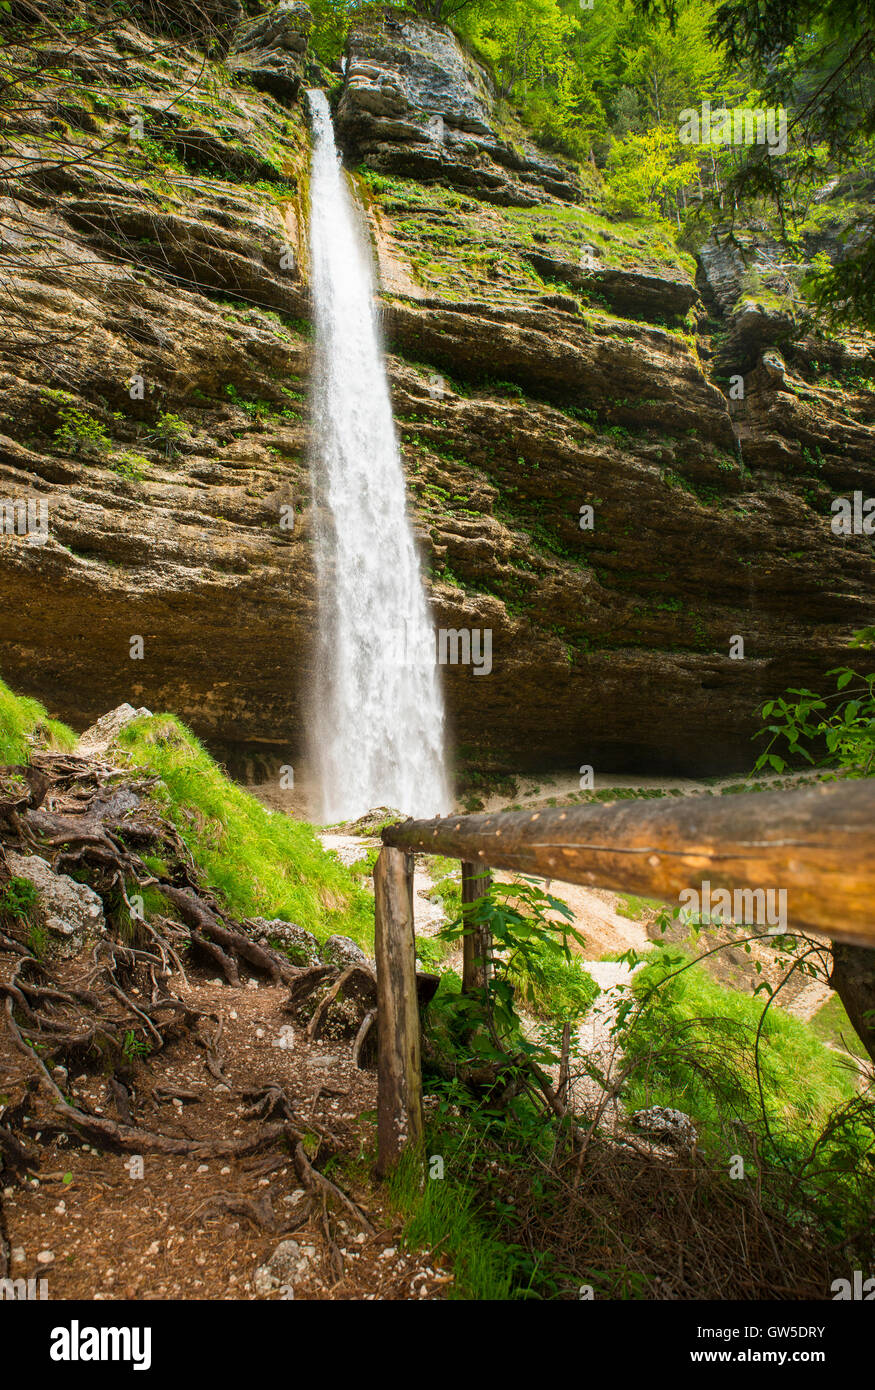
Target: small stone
<point>202,1168</point>
<point>259,1032</point>
<point>286,1039</point>
<point>45,1257</point>
<point>60,1209</point>
<point>18,1255</point>
<point>288,1263</point>
<point>154,1248</point>
<point>225,1171</point>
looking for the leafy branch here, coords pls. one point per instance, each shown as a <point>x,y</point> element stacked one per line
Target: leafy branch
<point>844,721</point>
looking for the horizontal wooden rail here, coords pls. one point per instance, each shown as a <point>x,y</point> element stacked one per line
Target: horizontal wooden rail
<point>817,843</point>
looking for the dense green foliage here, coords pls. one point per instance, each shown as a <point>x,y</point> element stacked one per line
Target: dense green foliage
<point>819,59</point>
<point>529,955</point>
<point>261,863</point>
<point>693,1047</point>
<point>758,1082</point>
<point>466,1214</point>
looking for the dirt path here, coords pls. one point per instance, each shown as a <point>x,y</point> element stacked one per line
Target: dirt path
<point>96,1225</point>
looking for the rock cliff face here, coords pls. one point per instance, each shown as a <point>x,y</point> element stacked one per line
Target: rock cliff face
<point>414,104</point>
<point>544,358</point>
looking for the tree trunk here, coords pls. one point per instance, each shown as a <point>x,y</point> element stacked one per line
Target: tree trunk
<point>399,1095</point>
<point>853,979</point>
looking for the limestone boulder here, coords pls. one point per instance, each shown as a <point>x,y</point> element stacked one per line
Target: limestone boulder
<point>69,913</point>
<point>106,729</point>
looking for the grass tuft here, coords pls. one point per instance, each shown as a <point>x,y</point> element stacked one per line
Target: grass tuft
<point>24,723</point>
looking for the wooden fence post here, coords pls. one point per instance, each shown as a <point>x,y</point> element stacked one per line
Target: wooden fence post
<point>399,1099</point>
<point>476,948</point>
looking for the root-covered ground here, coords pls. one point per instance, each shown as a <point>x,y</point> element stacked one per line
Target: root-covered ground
<point>167,1117</point>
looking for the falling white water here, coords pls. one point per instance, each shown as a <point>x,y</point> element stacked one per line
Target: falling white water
<point>378,719</point>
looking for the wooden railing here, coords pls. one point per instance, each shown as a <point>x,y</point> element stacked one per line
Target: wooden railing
<point>816,843</point>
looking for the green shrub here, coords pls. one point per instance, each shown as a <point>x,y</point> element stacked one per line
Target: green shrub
<point>529,952</point>
<point>448,893</point>
<point>558,989</point>
<point>694,1043</point>
<point>431,952</point>
<point>169,433</point>
<point>130,466</point>
<point>839,728</point>
<point>81,434</point>
<point>758,1084</point>
<point>17,898</point>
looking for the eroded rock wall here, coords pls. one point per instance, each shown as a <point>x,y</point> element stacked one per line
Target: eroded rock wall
<point>544,358</point>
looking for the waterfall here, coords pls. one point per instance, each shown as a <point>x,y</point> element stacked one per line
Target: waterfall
<point>377,717</point>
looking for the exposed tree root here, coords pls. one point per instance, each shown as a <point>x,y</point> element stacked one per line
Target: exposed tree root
<point>84,816</point>
<point>313,1180</point>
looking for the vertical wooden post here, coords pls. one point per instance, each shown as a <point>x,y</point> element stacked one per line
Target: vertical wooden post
<point>476,948</point>
<point>399,1095</point>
